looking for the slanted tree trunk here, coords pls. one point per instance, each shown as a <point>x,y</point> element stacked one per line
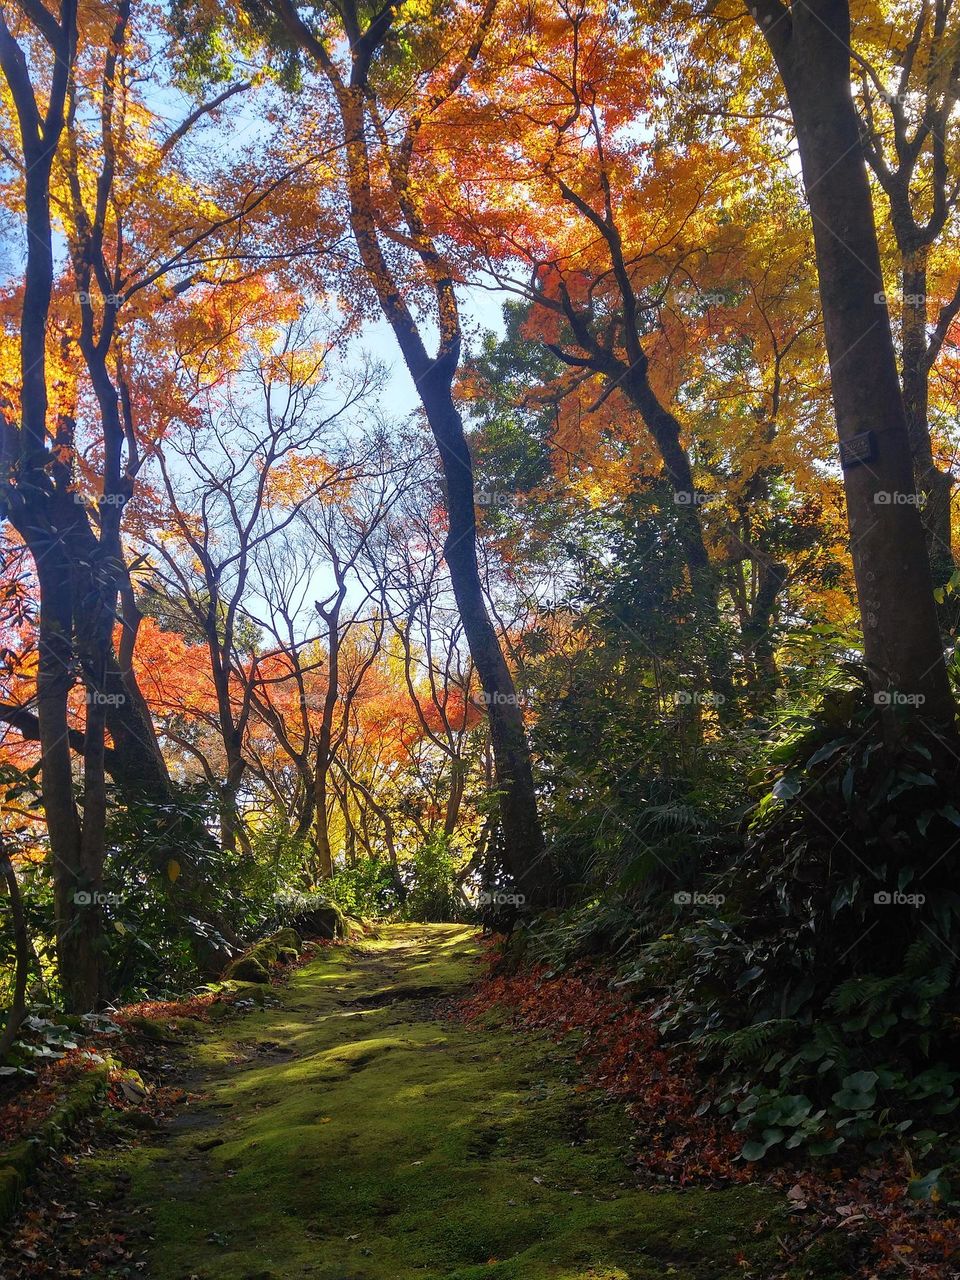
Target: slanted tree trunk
<point>433,375</point>
<point>523,838</point>
<point>811,45</point>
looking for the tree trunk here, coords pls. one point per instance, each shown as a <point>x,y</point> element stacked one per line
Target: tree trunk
<point>78,923</point>
<point>523,838</point>
<point>902,648</point>
<point>227,801</point>
<point>455,799</point>
<point>524,851</point>
<point>704,584</point>
<point>321,830</point>
<point>932,484</point>
<point>757,632</point>
<point>22,952</point>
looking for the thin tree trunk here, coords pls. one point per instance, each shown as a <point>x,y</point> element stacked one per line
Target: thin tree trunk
<point>704,582</point>
<point>321,830</point>
<point>22,951</point>
<point>523,837</point>
<point>524,850</point>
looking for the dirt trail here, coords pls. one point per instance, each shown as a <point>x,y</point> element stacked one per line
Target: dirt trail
<point>353,1133</point>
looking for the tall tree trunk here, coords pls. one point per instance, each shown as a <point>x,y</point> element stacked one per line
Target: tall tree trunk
<point>704,582</point>
<point>523,837</point>
<point>321,829</point>
<point>933,485</point>
<point>77,913</point>
<point>903,652</point>
<point>324,751</point>
<point>524,851</point>
<point>37,501</point>
<point>22,956</point>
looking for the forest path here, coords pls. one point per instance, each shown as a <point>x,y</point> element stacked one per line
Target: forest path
<point>353,1132</point>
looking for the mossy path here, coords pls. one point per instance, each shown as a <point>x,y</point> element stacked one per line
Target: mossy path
<point>351,1134</point>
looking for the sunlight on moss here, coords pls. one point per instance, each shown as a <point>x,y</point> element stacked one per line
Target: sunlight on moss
<point>372,1141</point>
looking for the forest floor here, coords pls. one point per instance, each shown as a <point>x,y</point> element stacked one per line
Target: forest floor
<point>351,1129</point>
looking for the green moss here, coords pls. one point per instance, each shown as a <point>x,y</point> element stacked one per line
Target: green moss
<point>354,928</point>
<point>248,969</point>
<point>162,1029</point>
<point>365,1139</point>
<point>254,965</point>
<point>18,1162</point>
<point>317,917</point>
<point>11,1189</point>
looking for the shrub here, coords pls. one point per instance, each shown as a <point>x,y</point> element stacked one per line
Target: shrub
<point>434,893</point>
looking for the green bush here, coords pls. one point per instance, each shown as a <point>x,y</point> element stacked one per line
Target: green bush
<point>367,889</point>
<point>810,957</point>
<point>823,979</point>
<point>433,892</point>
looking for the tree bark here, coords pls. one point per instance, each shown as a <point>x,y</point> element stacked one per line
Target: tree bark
<point>902,648</point>
<point>704,584</point>
<point>22,952</point>
<point>525,855</point>
<point>523,837</point>
<point>933,485</point>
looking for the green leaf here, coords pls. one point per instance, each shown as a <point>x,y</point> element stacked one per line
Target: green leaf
<point>851,1100</point>
<point>787,787</point>
<point>847,784</point>
<point>826,751</point>
<point>861,1081</point>
<point>753,1150</point>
